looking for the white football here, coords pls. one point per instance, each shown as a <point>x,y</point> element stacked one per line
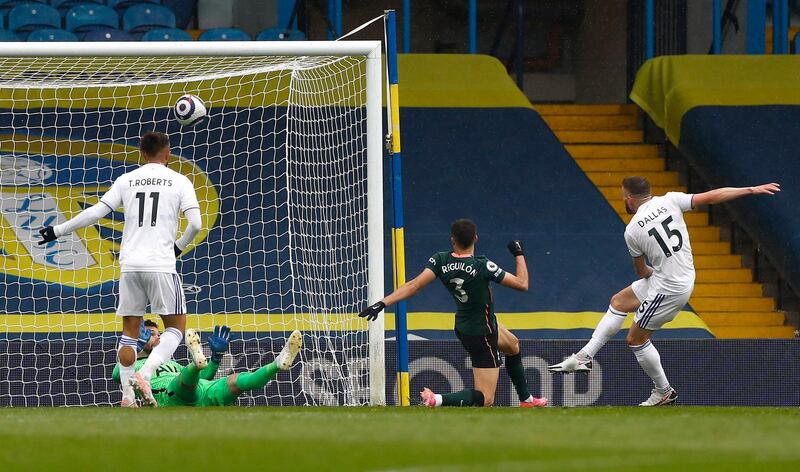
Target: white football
<point>189,110</point>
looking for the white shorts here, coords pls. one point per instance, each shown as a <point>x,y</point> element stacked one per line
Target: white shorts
<point>656,309</point>
<point>162,291</point>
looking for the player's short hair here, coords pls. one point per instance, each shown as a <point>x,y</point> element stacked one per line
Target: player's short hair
<point>150,324</point>
<point>636,186</point>
<point>463,232</point>
<point>152,143</point>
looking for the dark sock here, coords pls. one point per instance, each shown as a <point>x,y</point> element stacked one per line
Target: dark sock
<point>468,397</point>
<point>516,372</point>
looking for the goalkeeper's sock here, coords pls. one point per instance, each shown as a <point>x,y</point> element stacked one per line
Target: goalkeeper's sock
<point>258,378</point>
<point>468,397</point>
<point>516,372</point>
<point>190,375</point>
<point>170,339</point>
<point>650,361</point>
<point>608,326</point>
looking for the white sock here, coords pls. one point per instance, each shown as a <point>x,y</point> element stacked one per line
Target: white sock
<point>126,372</point>
<point>650,360</point>
<point>609,325</point>
<point>529,399</point>
<point>438,399</point>
<point>170,339</point>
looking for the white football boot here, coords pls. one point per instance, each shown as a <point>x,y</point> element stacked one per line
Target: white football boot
<point>142,387</point>
<point>195,349</point>
<point>572,364</point>
<point>659,399</point>
<point>285,358</point>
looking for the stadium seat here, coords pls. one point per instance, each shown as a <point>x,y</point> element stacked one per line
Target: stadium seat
<point>90,16</point>
<point>64,5</point>
<point>6,5</point>
<point>166,34</point>
<point>224,34</point>
<point>22,19</point>
<point>107,35</point>
<point>51,35</point>
<point>6,36</point>
<point>121,5</point>
<point>796,43</point>
<point>280,34</point>
<point>144,17</point>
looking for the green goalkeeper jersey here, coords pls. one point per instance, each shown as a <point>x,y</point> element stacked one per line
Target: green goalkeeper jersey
<point>164,375</point>
<point>467,279</point>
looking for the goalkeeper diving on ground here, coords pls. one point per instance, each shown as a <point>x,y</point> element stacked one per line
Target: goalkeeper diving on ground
<point>173,384</point>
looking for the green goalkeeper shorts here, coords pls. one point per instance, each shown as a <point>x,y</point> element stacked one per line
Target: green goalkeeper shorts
<point>207,393</point>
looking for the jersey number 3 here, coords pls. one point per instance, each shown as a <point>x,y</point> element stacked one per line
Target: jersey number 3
<point>670,233</point>
<point>153,213</point>
<point>461,295</point>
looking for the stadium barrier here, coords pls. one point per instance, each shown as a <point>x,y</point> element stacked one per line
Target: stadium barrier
<point>703,371</point>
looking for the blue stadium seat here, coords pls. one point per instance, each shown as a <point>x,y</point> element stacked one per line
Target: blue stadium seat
<point>51,35</point>
<point>90,16</point>
<point>107,35</point>
<point>6,5</point>
<point>280,34</point>
<point>796,43</point>
<point>121,5</point>
<point>144,17</point>
<point>166,34</point>
<point>64,5</point>
<point>22,19</point>
<point>224,34</point>
<point>6,36</point>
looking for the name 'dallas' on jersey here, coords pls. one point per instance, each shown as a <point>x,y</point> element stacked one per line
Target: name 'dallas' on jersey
<point>467,279</point>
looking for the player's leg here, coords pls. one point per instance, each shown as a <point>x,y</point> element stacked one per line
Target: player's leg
<point>166,299</point>
<point>508,344</point>
<point>622,303</point>
<point>486,363</point>
<point>656,311</point>
<point>132,307</point>
<point>184,386</point>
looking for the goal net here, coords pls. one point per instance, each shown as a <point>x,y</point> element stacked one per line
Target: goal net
<point>287,169</point>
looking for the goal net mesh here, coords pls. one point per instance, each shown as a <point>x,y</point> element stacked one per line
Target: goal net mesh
<point>280,170</point>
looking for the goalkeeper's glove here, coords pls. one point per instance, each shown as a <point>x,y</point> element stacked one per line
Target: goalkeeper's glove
<point>515,248</point>
<point>178,250</point>
<point>218,342</point>
<point>144,336</point>
<point>371,312</point>
<point>47,235</point>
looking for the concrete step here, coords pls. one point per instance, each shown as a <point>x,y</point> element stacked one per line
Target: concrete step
<point>630,136</point>
<point>733,290</point>
<point>592,122</point>
<point>629,166</point>
<point>749,332</point>
<point>691,218</point>
<point>745,318</point>
<point>613,151</point>
<point>613,191</point>
<point>730,261</point>
<point>707,248</point>
<point>703,233</point>
<point>657,179</point>
<point>720,276</point>
<point>568,109</point>
<point>703,304</point>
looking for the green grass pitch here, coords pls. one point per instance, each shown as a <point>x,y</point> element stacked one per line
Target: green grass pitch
<point>410,439</point>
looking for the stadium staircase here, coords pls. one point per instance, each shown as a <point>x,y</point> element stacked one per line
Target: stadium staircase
<point>607,142</point>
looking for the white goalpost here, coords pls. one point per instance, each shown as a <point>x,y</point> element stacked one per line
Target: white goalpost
<point>288,170</point>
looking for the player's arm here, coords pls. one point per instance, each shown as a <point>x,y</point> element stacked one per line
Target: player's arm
<point>191,211</point>
<point>85,218</point>
<point>720,195</point>
<point>218,342</point>
<point>642,269</point>
<point>407,290</point>
<point>518,281</point>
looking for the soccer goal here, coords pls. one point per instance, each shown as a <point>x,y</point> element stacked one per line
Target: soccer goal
<point>287,167</point>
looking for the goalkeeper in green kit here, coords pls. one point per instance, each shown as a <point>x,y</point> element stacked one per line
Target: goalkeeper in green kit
<point>193,385</point>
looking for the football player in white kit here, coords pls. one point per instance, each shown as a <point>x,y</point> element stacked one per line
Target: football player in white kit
<point>656,233</point>
<point>152,198</point>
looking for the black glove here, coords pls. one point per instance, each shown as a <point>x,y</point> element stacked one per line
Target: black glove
<point>178,250</point>
<point>515,248</point>
<point>371,312</point>
<point>47,235</point>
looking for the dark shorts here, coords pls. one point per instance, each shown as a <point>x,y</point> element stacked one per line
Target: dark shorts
<point>482,349</point>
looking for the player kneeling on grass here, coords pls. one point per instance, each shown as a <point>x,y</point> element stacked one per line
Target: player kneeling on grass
<point>467,278</point>
<point>193,385</point>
